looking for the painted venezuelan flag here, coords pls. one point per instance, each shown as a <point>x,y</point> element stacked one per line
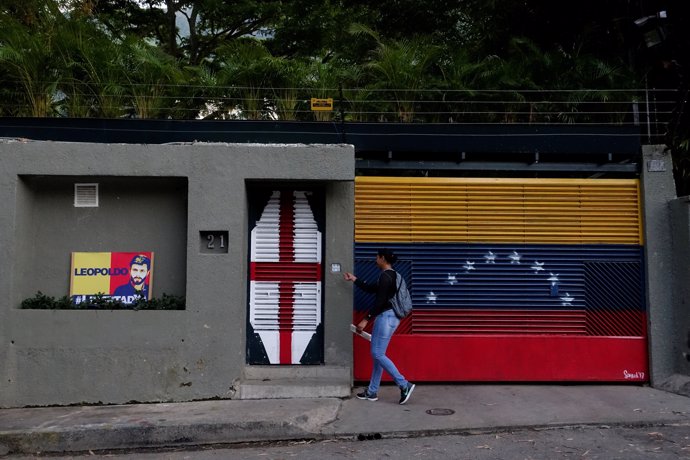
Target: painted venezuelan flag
<point>512,279</point>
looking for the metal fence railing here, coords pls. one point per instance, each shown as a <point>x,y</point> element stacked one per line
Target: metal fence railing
<point>650,109</point>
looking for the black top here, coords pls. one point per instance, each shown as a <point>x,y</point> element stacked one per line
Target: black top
<point>384,290</point>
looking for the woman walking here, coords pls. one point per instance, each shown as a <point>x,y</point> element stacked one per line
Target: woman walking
<point>384,326</point>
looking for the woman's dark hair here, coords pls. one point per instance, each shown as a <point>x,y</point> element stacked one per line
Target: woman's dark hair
<point>388,255</point>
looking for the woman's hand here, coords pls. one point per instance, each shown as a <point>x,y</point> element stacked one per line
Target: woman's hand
<point>349,277</point>
<point>362,324</point>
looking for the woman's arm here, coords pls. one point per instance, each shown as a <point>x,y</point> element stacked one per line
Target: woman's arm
<point>366,287</point>
<point>382,290</point>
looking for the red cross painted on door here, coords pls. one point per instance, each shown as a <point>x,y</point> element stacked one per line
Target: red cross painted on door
<point>285,278</point>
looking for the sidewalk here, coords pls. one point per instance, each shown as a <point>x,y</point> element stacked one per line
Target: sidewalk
<point>475,408</point>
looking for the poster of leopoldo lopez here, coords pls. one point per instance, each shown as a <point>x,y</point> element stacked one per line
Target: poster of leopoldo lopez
<point>123,276</point>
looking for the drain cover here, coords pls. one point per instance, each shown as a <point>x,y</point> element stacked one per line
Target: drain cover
<point>440,411</point>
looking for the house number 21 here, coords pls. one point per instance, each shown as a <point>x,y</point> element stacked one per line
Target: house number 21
<point>213,241</point>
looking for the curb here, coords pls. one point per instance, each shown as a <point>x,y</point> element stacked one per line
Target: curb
<point>120,430</point>
<point>104,438</point>
<point>109,438</point>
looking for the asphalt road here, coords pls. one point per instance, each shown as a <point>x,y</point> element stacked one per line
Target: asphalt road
<point>577,442</point>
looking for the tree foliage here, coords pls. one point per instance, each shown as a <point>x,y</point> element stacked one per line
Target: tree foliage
<point>393,59</point>
<point>508,61</point>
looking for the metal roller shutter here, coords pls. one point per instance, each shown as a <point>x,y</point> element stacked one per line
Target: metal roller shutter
<point>551,269</point>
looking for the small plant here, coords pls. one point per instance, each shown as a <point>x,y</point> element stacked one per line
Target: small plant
<point>41,302</point>
<point>102,302</point>
<point>165,302</point>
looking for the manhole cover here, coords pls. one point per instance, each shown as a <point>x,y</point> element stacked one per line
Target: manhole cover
<point>440,411</point>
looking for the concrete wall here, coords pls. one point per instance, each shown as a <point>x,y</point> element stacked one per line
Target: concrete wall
<point>134,214</point>
<point>88,356</point>
<point>658,189</point>
<point>680,223</point>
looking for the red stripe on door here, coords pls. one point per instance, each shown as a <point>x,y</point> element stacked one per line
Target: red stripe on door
<point>285,310</point>
<point>286,251</point>
<point>286,246</point>
<point>284,271</point>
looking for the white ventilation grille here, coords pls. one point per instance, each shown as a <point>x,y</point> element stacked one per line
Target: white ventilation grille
<point>85,195</point>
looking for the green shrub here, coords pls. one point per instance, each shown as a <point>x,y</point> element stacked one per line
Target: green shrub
<point>102,302</point>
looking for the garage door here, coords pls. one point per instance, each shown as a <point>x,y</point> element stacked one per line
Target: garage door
<point>511,279</point>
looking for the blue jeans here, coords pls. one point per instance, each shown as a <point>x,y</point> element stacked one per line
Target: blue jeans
<point>384,327</point>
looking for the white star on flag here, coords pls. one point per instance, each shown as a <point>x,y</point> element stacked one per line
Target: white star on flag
<point>514,258</point>
<point>431,297</point>
<point>468,266</point>
<point>567,299</point>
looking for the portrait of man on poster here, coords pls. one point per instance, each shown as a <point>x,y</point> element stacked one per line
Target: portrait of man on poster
<point>138,284</point>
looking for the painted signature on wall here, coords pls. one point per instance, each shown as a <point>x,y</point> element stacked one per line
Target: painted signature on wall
<point>638,375</point>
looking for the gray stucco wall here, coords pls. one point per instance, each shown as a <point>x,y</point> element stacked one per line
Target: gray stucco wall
<point>134,214</point>
<point>66,357</point>
<point>680,214</point>
<point>658,189</point>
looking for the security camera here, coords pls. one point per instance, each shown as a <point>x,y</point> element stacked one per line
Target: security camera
<point>641,22</point>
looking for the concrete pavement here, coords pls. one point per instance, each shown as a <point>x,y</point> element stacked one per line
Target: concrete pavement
<point>433,409</point>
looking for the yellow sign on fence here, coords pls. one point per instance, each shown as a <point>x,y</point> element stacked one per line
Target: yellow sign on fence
<point>322,105</point>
